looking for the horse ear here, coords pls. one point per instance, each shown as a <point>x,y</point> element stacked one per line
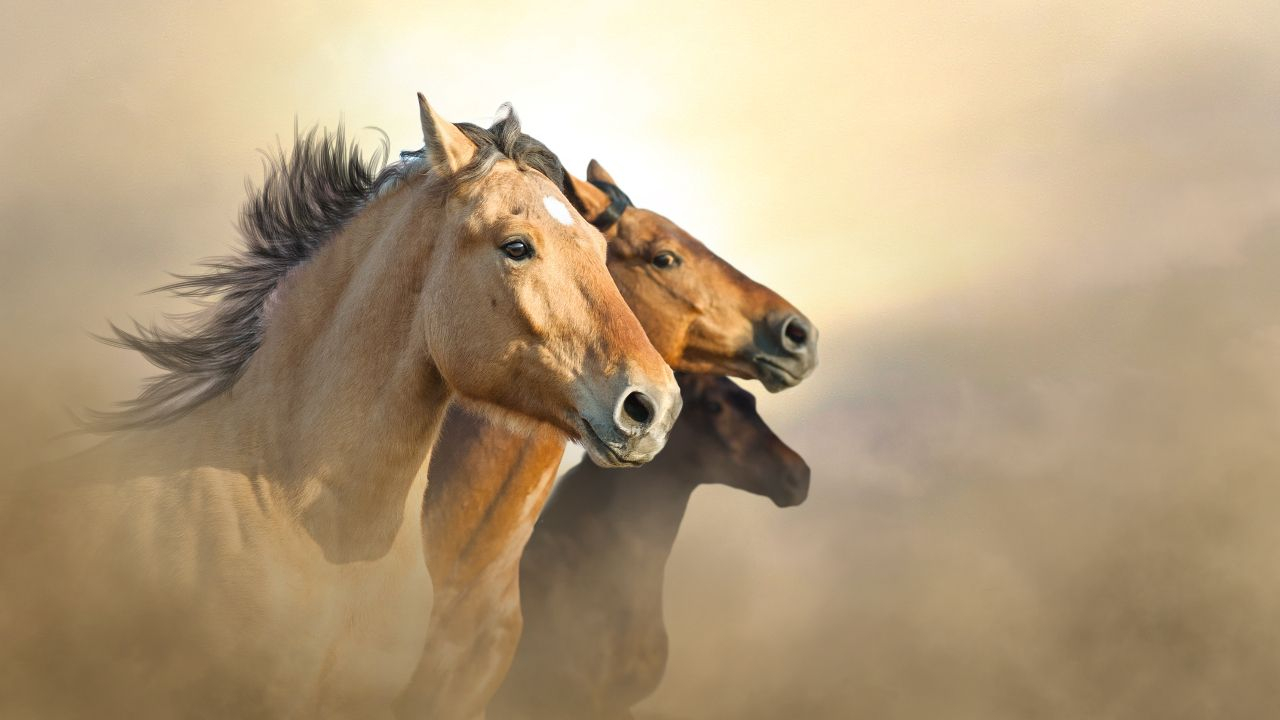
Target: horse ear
<point>596,171</point>
<point>448,150</point>
<point>587,198</point>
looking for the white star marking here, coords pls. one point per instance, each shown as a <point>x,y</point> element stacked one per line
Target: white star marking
<point>558,210</point>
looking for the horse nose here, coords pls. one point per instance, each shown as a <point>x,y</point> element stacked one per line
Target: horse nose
<point>798,480</point>
<point>635,413</point>
<point>796,335</point>
<point>795,482</point>
<point>787,347</point>
<point>644,414</point>
<point>627,423</point>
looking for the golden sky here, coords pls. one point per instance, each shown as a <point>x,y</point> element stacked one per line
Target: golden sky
<point>1035,236</point>
<point>857,157</point>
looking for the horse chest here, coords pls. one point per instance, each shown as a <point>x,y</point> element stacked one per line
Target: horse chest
<point>375,629</point>
<point>270,616</point>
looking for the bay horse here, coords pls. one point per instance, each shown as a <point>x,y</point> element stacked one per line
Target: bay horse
<point>247,542</point>
<point>591,580</point>
<point>490,480</point>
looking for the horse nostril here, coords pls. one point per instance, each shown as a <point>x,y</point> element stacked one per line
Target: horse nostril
<point>638,407</point>
<point>795,331</point>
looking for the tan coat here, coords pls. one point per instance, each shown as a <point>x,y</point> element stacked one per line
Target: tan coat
<point>490,480</point>
<point>262,555</point>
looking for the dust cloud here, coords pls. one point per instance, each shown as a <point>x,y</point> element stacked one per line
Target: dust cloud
<point>1060,507</point>
<point>1042,243</point>
<point>1048,493</point>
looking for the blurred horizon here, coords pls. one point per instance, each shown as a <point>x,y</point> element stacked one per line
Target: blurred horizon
<point>1038,239</point>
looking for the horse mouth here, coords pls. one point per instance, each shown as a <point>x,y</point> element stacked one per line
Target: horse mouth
<point>601,452</point>
<point>774,376</point>
<point>790,495</point>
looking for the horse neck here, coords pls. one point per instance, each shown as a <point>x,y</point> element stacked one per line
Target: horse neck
<point>341,402</point>
<point>489,482</point>
<point>633,514</point>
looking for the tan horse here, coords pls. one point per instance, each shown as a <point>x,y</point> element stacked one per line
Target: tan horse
<point>250,544</point>
<point>591,580</point>
<point>489,482</point>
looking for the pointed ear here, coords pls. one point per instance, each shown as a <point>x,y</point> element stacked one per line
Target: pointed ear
<point>587,198</point>
<point>448,149</point>
<point>596,171</point>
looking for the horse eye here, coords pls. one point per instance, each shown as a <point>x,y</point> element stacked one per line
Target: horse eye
<point>518,249</point>
<point>714,407</point>
<point>666,259</point>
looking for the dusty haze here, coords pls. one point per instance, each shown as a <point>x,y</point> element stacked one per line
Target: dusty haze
<point>1040,240</point>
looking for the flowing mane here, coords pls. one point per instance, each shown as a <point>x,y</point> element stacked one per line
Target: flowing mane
<point>307,197</point>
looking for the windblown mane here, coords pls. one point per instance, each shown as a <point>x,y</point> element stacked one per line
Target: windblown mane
<point>306,198</point>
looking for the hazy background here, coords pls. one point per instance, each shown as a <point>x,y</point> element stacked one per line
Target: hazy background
<point>1041,241</point>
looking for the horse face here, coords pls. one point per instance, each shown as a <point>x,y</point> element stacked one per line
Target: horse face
<point>734,445</point>
<point>700,312</point>
<point>525,318</point>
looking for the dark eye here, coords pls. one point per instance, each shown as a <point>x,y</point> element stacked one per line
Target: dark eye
<point>714,407</point>
<point>518,249</point>
<point>666,259</point>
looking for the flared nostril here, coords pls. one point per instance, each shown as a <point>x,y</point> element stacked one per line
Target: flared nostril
<point>638,408</point>
<point>795,333</point>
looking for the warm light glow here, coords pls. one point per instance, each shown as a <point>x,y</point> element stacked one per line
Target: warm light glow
<point>1037,239</point>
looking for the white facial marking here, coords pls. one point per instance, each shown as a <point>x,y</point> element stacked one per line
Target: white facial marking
<point>558,210</point>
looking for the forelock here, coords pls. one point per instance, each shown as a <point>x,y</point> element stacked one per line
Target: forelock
<point>505,139</point>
